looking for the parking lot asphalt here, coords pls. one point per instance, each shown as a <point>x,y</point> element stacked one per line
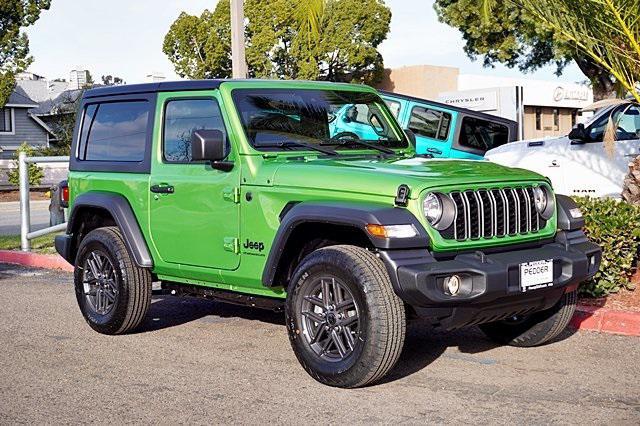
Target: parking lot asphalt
<point>197,361</point>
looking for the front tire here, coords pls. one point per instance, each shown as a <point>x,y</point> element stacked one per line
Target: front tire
<point>345,323</point>
<point>535,329</point>
<point>113,293</point>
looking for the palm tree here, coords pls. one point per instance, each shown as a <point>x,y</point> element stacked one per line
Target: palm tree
<point>310,15</point>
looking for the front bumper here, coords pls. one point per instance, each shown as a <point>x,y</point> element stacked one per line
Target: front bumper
<point>493,280</point>
<point>62,244</point>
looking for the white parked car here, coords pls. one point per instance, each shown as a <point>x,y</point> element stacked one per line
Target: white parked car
<point>578,164</point>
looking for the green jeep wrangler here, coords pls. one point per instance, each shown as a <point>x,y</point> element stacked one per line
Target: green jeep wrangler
<point>245,192</point>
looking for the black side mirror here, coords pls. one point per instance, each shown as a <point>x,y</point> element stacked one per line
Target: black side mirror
<point>578,135</point>
<point>411,136</point>
<point>210,145</point>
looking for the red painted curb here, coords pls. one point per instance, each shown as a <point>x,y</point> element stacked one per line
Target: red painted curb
<point>47,261</point>
<point>592,318</point>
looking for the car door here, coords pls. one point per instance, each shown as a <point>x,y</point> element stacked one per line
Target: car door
<point>433,128</point>
<point>194,210</point>
<point>590,169</point>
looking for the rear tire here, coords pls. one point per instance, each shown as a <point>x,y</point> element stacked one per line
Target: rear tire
<point>345,323</point>
<point>535,329</point>
<point>112,292</point>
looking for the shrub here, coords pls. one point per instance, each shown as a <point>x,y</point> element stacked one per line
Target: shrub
<point>36,174</point>
<point>615,226</point>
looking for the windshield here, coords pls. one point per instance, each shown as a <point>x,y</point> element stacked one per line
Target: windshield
<point>278,119</point>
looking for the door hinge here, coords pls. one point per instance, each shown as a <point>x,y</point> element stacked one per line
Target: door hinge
<point>231,194</point>
<point>232,244</point>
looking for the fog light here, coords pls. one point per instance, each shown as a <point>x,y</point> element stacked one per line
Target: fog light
<point>452,285</point>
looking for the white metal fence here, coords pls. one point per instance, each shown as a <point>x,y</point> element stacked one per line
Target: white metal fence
<point>25,213</point>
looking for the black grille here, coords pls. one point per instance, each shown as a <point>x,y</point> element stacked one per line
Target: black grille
<point>488,213</point>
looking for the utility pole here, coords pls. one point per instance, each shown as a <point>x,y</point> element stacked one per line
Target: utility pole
<point>238,61</point>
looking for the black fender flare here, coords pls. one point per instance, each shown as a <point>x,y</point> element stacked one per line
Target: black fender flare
<point>567,221</point>
<point>120,209</point>
<point>353,214</point>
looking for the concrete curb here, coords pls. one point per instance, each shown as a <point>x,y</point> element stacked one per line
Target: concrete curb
<point>591,318</point>
<point>603,320</point>
<point>47,261</point>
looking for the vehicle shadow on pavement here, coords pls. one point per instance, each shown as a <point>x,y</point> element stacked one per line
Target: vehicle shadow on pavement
<point>424,344</point>
<point>170,311</point>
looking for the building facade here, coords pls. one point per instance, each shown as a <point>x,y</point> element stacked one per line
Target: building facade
<point>79,79</point>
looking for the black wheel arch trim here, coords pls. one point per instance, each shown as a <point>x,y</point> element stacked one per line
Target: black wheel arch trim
<point>120,209</point>
<point>353,214</point>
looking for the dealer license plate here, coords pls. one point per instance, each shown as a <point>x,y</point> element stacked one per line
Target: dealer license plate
<point>534,275</point>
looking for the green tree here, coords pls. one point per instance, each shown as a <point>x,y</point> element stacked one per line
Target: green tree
<point>35,173</point>
<point>508,33</point>
<point>200,47</point>
<point>14,44</point>
<point>278,45</point>
<point>109,80</point>
<point>345,49</point>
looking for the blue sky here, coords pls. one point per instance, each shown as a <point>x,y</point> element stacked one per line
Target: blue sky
<point>124,38</point>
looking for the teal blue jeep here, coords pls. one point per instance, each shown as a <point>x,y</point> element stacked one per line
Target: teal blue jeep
<point>440,130</point>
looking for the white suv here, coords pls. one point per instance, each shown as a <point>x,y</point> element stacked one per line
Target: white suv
<point>578,164</point>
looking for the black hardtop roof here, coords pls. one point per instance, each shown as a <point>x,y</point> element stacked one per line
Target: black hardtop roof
<point>163,86</point>
<point>446,106</point>
<point>173,86</point>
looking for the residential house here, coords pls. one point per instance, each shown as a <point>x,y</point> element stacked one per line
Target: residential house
<point>19,124</point>
<point>37,109</point>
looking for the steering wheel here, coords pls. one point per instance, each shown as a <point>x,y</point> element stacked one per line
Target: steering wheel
<point>623,133</point>
<point>345,136</point>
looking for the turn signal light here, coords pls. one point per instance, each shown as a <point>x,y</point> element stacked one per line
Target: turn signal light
<point>392,231</point>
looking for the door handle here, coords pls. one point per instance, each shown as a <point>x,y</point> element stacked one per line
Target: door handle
<point>162,189</point>
<point>434,151</point>
<point>554,163</point>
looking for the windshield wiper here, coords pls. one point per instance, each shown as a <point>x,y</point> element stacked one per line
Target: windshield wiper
<point>288,144</point>
<point>343,142</point>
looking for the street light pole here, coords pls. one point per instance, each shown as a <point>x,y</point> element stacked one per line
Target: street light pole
<point>238,62</point>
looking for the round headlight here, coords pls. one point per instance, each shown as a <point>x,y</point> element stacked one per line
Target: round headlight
<point>432,206</point>
<point>540,198</point>
<point>544,201</point>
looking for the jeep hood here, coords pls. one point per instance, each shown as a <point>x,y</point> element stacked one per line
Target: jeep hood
<point>382,177</point>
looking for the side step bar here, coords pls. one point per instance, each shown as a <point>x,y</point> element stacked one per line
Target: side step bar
<point>179,289</point>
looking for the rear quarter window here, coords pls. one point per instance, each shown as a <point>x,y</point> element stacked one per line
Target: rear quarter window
<point>114,132</point>
<point>430,123</point>
<point>481,134</point>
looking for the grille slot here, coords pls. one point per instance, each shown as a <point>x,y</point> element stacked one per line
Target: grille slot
<point>494,212</point>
